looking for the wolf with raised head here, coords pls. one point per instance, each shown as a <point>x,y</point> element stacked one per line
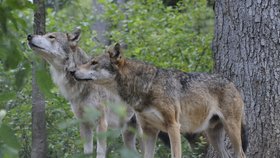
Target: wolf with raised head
<point>172,101</point>
<point>62,52</point>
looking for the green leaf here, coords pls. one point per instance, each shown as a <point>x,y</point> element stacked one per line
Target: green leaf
<point>13,57</point>
<point>7,137</point>
<point>6,96</point>
<point>44,81</point>
<point>21,75</point>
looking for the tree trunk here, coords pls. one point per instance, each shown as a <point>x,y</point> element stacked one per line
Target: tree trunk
<point>246,50</point>
<point>39,132</point>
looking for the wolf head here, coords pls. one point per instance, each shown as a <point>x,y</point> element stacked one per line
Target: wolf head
<point>102,69</point>
<point>55,47</point>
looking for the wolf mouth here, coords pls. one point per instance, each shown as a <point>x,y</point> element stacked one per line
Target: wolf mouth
<point>35,46</point>
<point>79,79</point>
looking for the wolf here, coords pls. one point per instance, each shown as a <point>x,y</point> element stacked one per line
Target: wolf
<point>172,101</point>
<point>61,51</point>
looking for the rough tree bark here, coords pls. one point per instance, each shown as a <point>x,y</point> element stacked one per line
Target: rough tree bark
<point>39,132</point>
<point>246,50</point>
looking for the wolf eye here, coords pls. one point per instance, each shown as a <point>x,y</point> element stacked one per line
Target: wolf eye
<point>51,37</point>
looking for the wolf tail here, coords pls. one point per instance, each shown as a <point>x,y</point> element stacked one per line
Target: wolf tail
<point>244,136</point>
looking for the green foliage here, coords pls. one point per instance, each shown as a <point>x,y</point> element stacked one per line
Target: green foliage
<point>11,17</point>
<point>62,142</point>
<point>43,79</point>
<point>13,70</point>
<point>169,37</point>
<point>8,141</point>
<point>178,37</point>
<point>66,20</point>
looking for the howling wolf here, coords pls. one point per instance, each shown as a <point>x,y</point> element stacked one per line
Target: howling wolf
<point>61,51</point>
<point>172,101</point>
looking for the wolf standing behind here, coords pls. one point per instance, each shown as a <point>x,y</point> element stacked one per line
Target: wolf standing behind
<point>61,51</point>
<point>172,101</point>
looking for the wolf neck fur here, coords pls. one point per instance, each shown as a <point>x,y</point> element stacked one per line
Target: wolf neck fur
<point>69,87</point>
<point>134,79</point>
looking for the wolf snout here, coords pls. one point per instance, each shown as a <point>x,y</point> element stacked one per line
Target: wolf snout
<point>29,37</point>
<point>72,70</point>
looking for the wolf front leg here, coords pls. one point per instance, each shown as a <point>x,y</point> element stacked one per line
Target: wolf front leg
<point>173,131</point>
<point>86,132</point>
<point>101,140</point>
<point>149,140</point>
<point>129,133</point>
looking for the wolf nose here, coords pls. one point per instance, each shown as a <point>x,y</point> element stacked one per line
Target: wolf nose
<point>72,72</point>
<point>29,37</point>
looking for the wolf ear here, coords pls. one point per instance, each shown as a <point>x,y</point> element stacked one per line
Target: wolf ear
<point>75,35</point>
<point>115,53</point>
<point>117,49</point>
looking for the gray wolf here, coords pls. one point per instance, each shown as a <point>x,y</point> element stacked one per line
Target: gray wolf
<point>172,101</point>
<point>61,51</point>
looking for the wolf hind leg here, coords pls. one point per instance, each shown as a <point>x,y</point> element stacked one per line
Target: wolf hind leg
<point>175,139</point>
<point>86,132</point>
<point>216,136</point>
<point>233,129</point>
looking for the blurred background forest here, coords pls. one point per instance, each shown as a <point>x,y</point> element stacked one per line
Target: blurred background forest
<point>169,35</point>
